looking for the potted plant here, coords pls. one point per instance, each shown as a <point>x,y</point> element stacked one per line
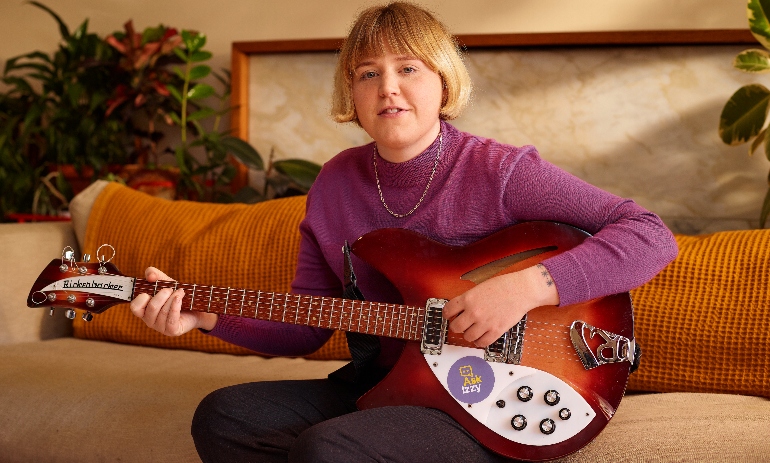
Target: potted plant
<point>95,105</point>
<point>744,116</point>
<point>57,119</point>
<point>205,170</point>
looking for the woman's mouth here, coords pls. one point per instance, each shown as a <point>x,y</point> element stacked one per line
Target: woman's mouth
<point>387,111</point>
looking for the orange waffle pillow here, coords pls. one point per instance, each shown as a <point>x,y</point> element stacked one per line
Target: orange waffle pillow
<point>235,245</point>
<point>704,321</point>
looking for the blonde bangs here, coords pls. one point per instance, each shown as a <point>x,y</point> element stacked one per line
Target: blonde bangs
<point>403,29</point>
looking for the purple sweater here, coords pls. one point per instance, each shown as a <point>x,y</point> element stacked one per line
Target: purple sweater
<point>480,186</point>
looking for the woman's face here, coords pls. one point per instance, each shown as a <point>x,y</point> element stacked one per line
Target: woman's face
<point>398,100</point>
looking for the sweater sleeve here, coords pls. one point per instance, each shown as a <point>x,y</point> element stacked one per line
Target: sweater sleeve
<point>629,244</point>
<point>312,277</point>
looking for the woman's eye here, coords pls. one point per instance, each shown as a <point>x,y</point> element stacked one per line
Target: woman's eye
<point>408,70</point>
<point>369,75</point>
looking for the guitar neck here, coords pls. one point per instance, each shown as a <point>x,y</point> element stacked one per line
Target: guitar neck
<point>380,319</point>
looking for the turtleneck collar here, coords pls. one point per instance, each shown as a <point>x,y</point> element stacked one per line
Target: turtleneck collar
<point>418,169</point>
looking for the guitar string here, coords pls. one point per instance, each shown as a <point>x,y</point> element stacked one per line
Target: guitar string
<point>413,319</point>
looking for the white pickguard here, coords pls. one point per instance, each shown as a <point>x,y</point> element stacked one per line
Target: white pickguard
<point>470,386</point>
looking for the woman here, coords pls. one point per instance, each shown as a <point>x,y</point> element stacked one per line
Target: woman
<point>400,77</point>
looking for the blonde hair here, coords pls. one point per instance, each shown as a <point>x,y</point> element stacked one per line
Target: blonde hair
<point>405,29</point>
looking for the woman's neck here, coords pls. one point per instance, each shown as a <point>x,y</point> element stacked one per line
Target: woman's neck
<point>398,154</point>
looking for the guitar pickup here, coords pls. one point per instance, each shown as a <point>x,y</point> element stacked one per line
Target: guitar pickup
<point>507,349</point>
<point>434,329</point>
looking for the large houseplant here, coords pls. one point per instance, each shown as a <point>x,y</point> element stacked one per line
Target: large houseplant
<point>744,115</point>
<point>54,114</point>
<point>100,102</point>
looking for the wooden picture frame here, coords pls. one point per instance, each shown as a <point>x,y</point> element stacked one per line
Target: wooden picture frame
<point>242,51</point>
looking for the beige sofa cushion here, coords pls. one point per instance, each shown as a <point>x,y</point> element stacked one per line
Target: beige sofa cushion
<point>27,249</point>
<point>72,400</point>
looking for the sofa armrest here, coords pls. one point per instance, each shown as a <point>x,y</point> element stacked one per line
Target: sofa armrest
<point>28,248</point>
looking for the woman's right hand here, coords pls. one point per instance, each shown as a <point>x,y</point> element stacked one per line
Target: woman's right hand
<point>163,312</point>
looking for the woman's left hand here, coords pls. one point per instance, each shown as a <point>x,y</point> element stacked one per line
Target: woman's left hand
<point>489,309</point>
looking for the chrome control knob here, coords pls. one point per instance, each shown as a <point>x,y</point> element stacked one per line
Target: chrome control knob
<point>524,393</point>
<point>565,414</point>
<point>551,398</point>
<point>518,422</point>
<point>547,426</point>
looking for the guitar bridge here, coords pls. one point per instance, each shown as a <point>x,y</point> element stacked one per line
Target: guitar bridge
<point>434,329</point>
<point>507,349</point>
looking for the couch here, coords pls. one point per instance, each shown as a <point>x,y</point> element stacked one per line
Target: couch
<point>109,390</point>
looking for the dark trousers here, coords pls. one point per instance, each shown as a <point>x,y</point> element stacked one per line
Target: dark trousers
<point>317,421</point>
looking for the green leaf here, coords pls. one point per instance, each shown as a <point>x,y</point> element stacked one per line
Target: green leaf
<point>744,114</point>
<point>199,72</point>
<point>179,72</point>
<point>758,20</point>
<point>754,60</point>
<point>181,54</point>
<point>302,172</point>
<point>757,141</point>
<point>193,41</point>
<point>199,56</point>
<point>175,93</point>
<point>243,151</point>
<point>248,195</point>
<point>175,117</point>
<point>65,33</point>
<point>200,114</point>
<point>200,91</point>
<point>765,210</point>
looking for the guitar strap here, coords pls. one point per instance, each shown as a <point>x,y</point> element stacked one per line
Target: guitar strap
<point>364,348</point>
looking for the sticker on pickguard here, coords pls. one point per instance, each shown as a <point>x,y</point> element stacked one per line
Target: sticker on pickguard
<point>470,380</point>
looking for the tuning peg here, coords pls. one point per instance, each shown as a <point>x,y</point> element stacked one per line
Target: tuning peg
<point>88,316</point>
<point>69,313</point>
<point>51,311</point>
<point>86,257</point>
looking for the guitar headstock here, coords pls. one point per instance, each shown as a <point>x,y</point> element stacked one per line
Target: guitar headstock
<point>90,286</point>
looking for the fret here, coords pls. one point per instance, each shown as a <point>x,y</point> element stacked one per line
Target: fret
<point>176,283</point>
<point>369,318</point>
<point>296,312</point>
<point>227,298</point>
<point>256,304</point>
<point>243,297</point>
<point>331,313</point>
<point>283,315</point>
<point>192,300</point>
<point>352,309</point>
<point>272,298</point>
<point>208,309</point>
<point>155,290</point>
<point>390,326</point>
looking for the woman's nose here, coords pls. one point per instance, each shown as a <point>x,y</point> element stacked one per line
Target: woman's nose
<point>388,84</point>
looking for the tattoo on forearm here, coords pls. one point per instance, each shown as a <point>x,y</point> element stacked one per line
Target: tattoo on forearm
<point>546,275</point>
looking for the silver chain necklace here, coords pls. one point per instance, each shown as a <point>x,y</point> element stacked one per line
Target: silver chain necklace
<point>433,172</point>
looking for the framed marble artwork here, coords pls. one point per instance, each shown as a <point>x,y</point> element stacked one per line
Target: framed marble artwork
<point>634,113</point>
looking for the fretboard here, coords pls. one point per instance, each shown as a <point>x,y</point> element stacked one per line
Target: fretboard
<point>390,320</point>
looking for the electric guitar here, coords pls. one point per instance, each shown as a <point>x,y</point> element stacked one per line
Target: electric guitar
<point>543,390</point>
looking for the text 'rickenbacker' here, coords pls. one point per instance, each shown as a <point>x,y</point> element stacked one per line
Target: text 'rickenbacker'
<point>545,389</point>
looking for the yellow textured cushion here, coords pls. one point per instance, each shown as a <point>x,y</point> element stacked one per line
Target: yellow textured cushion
<point>235,245</point>
<point>704,321</point>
